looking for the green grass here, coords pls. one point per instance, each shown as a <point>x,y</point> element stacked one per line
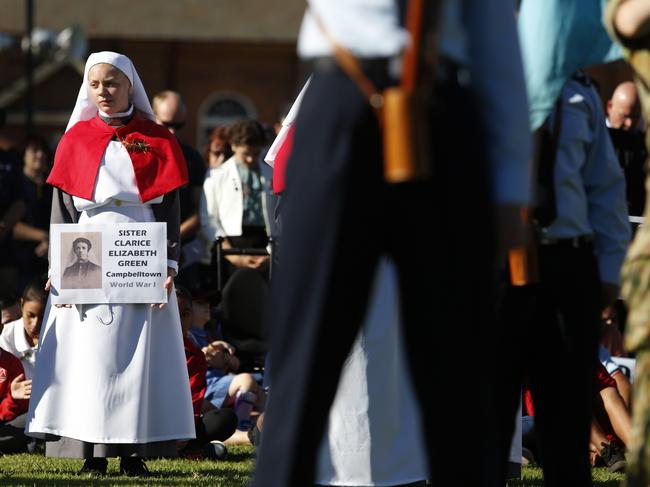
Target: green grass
<point>36,470</point>
<point>532,477</point>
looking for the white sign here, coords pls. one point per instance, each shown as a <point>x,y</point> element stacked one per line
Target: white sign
<point>116,263</point>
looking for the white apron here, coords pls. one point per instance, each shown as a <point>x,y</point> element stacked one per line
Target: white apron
<point>112,373</point>
<point>374,436</point>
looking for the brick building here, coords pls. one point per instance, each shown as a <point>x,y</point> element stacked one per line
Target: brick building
<point>228,59</point>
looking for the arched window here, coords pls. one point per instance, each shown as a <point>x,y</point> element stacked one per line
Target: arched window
<point>224,108</point>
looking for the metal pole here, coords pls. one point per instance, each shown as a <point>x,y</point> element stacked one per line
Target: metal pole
<point>219,257</point>
<point>29,69</point>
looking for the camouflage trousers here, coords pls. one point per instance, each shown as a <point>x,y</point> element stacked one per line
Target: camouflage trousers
<point>635,290</point>
<point>638,454</point>
<point>636,293</point>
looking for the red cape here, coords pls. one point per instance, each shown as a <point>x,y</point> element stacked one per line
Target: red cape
<point>157,158</point>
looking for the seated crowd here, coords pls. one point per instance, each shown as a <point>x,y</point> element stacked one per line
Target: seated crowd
<point>227,215</point>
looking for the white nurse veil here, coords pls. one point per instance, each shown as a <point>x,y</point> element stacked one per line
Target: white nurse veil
<point>85,109</point>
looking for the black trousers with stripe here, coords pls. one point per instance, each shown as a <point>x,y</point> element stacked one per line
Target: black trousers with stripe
<point>339,217</point>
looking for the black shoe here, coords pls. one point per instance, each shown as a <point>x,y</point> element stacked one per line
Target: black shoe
<point>94,466</point>
<point>613,457</point>
<point>133,467</point>
<point>215,450</point>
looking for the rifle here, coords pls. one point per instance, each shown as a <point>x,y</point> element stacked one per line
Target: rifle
<point>522,260</point>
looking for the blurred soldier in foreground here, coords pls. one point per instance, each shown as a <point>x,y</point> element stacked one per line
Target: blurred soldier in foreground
<point>628,22</point>
<point>340,216</point>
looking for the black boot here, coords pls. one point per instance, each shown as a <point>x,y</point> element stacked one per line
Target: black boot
<point>613,456</point>
<point>133,467</point>
<point>94,466</point>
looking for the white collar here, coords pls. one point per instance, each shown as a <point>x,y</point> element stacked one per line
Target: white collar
<point>117,115</point>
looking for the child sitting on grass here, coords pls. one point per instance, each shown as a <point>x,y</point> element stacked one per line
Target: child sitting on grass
<point>15,392</point>
<point>20,337</point>
<point>225,388</point>
<point>213,425</point>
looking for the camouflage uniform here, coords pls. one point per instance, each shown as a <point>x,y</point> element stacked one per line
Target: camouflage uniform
<point>636,278</point>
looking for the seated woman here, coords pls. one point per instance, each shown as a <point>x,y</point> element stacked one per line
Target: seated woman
<point>237,200</point>
<point>217,149</point>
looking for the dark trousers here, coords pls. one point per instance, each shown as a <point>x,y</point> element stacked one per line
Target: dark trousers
<point>338,217</point>
<point>550,333</point>
<point>12,435</point>
<point>216,424</point>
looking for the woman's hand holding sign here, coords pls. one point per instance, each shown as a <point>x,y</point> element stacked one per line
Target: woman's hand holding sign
<point>169,282</point>
<point>48,285</point>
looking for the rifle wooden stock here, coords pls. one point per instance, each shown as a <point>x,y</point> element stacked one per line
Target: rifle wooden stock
<point>522,260</point>
<point>406,142</point>
<point>405,120</point>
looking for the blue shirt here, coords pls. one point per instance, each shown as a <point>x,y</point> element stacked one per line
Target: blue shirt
<point>558,37</point>
<point>589,181</point>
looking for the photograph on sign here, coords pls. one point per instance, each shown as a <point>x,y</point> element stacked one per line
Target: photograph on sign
<point>113,263</point>
<point>81,253</point>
